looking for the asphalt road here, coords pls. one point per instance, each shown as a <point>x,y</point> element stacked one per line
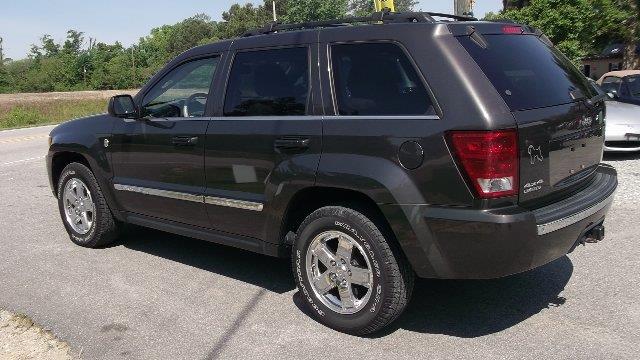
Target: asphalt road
<point>159,296</point>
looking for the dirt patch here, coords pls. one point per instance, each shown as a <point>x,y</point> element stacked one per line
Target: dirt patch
<point>23,98</point>
<point>21,339</point>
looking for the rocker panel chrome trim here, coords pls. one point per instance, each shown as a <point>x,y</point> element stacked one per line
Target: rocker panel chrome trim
<point>211,200</point>
<point>239,204</point>
<point>161,193</point>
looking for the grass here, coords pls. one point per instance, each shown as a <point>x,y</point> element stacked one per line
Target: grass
<point>43,112</point>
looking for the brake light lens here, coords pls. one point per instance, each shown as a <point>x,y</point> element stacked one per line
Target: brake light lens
<point>512,30</point>
<point>490,160</point>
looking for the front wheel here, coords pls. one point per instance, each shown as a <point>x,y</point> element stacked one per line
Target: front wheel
<point>352,278</point>
<point>83,208</point>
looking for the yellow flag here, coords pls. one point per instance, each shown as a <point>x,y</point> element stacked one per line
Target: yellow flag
<point>384,4</point>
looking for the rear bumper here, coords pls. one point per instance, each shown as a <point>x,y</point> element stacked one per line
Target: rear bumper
<point>622,146</point>
<point>622,138</point>
<point>482,244</point>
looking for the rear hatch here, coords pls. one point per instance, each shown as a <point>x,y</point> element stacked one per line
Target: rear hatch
<point>559,116</point>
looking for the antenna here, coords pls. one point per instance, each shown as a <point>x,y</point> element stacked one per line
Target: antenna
<point>275,16</point>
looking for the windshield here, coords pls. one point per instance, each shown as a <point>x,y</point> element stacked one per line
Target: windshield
<point>634,85</point>
<point>528,73</point>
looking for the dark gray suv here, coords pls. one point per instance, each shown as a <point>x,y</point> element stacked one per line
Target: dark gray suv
<point>369,150</point>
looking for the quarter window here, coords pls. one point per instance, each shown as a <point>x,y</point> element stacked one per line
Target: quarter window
<point>377,79</point>
<point>611,83</point>
<point>183,92</point>
<point>269,83</point>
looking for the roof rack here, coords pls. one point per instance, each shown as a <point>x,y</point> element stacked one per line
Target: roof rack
<point>381,16</point>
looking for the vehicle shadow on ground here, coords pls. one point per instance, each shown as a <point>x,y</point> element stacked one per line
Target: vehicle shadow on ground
<point>473,308</point>
<point>266,272</point>
<point>462,308</point>
<point>621,156</point>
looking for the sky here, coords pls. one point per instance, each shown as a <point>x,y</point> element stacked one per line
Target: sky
<point>23,22</point>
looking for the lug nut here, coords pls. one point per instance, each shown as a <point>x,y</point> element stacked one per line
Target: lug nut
<point>343,262</point>
<point>333,263</point>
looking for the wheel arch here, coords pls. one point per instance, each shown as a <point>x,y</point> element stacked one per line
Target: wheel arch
<point>60,160</point>
<point>307,200</point>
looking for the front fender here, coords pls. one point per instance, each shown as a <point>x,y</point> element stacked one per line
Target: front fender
<point>85,137</point>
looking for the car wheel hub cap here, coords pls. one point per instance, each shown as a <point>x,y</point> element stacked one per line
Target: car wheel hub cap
<point>339,272</point>
<point>79,206</point>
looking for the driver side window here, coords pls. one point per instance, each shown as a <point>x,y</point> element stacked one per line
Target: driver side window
<point>183,92</point>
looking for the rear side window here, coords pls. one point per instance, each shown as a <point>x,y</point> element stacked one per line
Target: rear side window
<point>634,86</point>
<point>528,73</point>
<point>268,83</point>
<point>611,83</point>
<point>377,79</point>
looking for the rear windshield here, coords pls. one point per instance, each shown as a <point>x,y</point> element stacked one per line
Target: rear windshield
<point>528,73</point>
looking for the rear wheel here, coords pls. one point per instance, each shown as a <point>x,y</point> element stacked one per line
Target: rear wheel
<point>84,211</point>
<point>352,278</point>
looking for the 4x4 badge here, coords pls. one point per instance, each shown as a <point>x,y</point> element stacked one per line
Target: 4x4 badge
<point>536,154</point>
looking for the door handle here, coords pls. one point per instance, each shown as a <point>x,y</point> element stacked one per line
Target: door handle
<point>184,140</point>
<point>292,143</point>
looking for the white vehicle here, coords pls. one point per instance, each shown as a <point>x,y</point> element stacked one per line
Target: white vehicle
<point>623,126</point>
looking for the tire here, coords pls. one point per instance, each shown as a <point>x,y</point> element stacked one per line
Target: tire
<point>98,228</point>
<point>366,309</point>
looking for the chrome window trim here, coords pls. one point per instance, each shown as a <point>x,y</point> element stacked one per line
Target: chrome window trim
<point>382,117</point>
<point>211,200</point>
<point>555,225</point>
<point>238,204</point>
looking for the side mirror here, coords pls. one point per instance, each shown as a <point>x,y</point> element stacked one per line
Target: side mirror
<point>613,94</point>
<point>123,106</point>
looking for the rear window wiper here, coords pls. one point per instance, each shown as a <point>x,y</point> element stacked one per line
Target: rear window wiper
<point>590,102</point>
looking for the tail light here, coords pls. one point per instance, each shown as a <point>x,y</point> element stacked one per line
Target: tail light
<point>489,159</point>
<point>512,30</point>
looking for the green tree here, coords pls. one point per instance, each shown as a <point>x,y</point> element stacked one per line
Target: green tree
<point>577,27</point>
<point>74,42</point>
<point>365,7</point>
<point>298,11</point>
<point>166,42</point>
<point>631,32</point>
<point>240,18</point>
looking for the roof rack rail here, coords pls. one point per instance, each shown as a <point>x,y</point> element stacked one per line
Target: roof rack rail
<point>453,17</point>
<point>381,16</point>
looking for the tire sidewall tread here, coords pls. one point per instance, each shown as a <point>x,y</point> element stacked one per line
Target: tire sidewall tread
<point>104,229</point>
<point>393,279</point>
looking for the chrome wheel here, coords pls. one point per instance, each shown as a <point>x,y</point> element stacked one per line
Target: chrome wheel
<point>79,207</point>
<point>339,272</point>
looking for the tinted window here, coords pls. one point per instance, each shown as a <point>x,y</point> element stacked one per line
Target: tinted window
<point>611,83</point>
<point>268,82</point>
<point>634,85</point>
<point>377,79</point>
<point>527,72</point>
<point>183,92</point>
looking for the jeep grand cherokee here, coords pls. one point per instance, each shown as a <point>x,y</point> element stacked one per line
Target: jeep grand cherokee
<point>368,150</point>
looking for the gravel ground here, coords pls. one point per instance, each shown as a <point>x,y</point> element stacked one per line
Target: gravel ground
<point>21,339</point>
<point>159,296</point>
